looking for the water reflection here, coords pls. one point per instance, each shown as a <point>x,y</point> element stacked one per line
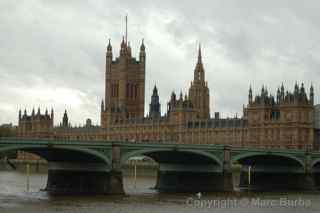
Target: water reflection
<point>142,198</point>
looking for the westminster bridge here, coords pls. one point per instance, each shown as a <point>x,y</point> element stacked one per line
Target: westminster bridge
<point>96,167</point>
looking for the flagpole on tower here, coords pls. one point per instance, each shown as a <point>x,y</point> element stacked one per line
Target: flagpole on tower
<point>127,29</point>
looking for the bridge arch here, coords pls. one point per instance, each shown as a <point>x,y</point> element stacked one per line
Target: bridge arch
<point>243,156</point>
<point>314,162</point>
<point>41,149</point>
<point>147,152</point>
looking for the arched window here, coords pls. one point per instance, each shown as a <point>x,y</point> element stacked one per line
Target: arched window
<point>131,90</point>
<point>136,90</point>
<point>117,89</point>
<point>127,90</point>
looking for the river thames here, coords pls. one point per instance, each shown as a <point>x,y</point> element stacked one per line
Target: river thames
<point>140,197</point>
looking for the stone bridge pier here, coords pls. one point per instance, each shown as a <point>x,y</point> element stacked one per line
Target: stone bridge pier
<point>196,175</point>
<point>85,177</point>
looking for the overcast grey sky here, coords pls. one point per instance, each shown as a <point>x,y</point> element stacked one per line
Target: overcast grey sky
<point>52,53</point>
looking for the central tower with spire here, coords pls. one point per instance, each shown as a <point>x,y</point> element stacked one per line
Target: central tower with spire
<point>199,91</point>
<point>124,84</point>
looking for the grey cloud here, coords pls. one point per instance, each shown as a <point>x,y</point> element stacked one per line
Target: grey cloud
<point>60,46</point>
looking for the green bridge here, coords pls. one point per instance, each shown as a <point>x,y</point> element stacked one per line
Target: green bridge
<point>96,167</point>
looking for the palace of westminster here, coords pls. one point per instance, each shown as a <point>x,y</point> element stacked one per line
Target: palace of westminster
<point>282,121</point>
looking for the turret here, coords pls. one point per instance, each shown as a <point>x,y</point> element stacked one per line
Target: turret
<point>181,96</point>
<point>38,113</point>
<point>65,120</point>
<point>282,92</point>
<point>262,91</point>
<point>102,106</point>
<point>109,50</point>
<point>142,54</point>
<point>311,95</point>
<point>302,91</point>
<point>20,116</point>
<point>250,95</point>
<point>155,104</point>
<point>52,115</point>
<point>278,96</point>
<point>123,48</point>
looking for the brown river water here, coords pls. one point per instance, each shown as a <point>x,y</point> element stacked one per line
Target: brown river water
<point>142,198</point>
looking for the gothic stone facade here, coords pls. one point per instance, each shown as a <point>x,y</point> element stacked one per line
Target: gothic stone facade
<point>284,121</point>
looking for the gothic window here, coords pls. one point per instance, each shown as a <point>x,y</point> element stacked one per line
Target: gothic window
<point>127,93</point>
<point>117,94</point>
<point>136,90</point>
<point>112,90</point>
<point>131,91</point>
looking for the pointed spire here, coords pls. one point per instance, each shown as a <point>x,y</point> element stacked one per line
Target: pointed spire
<point>282,92</point>
<point>302,91</point>
<point>282,89</point>
<point>65,119</point>
<point>142,47</point>
<point>311,95</point>
<point>262,90</point>
<point>123,49</point>
<point>127,29</point>
<point>250,95</point>
<point>19,114</point>
<point>25,112</point>
<point>155,90</point>
<point>266,91</point>
<point>199,54</point>
<point>278,95</point>
<point>154,111</point>
<point>109,47</point>
<point>199,70</point>
<point>142,52</point>
<point>181,96</point>
<point>52,113</point>
<point>102,105</point>
<point>33,112</point>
